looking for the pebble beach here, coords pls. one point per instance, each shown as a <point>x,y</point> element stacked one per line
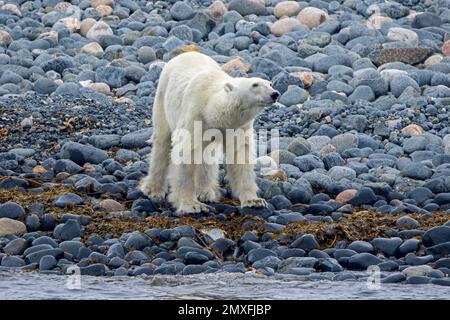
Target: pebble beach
<point>360,178</point>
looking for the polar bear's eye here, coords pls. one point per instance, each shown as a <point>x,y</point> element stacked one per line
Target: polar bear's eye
<point>255,85</point>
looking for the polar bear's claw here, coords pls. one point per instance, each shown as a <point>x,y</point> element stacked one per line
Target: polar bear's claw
<point>155,196</point>
<point>256,203</point>
<point>209,196</point>
<point>196,207</point>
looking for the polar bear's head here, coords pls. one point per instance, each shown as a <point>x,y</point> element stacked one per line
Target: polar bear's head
<point>252,93</point>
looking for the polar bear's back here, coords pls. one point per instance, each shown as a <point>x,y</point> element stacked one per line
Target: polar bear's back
<point>186,76</point>
<point>189,64</point>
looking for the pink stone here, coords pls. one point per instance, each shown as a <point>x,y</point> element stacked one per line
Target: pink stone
<point>346,195</point>
<point>312,17</point>
<point>446,48</point>
<point>283,26</point>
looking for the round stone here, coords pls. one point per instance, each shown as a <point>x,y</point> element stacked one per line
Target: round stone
<point>312,17</point>
<point>283,26</point>
<point>286,9</point>
<point>217,10</point>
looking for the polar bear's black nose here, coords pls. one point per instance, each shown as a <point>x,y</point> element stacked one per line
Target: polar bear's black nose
<point>275,95</point>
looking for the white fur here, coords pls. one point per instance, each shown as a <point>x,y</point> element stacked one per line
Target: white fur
<point>193,87</point>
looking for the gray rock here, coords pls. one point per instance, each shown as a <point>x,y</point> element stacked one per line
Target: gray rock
<point>68,199</point>
<point>11,210</point>
<point>12,262</point>
<point>195,269</point>
<point>344,141</point>
<point>137,241</point>
<point>338,173</point>
<point>400,82</point>
<point>280,202</point>
<point>361,261</point>
<point>308,162</point>
<point>137,139</point>
<point>96,269</point>
<point>361,246</point>
<point>69,230</point>
<point>115,77</point>
<point>299,146</point>
<point>362,93</point>
<point>436,235</point>
<point>293,95</point>
<point>246,7</point>
<point>363,196</point>
<point>387,246</point>
<point>104,141</point>
<point>16,247</point>
<point>47,263</point>
<point>45,86</point>
<point>371,78</point>
<point>66,165</point>
<point>32,223</point>
<point>258,254</point>
<point>407,223</point>
<point>426,19</point>
<point>181,11</point>
<point>306,242</point>
<point>81,153</point>
<point>146,54</point>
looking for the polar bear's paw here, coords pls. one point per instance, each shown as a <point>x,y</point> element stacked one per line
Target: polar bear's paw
<point>212,195</point>
<point>157,197</point>
<point>255,203</point>
<point>155,194</point>
<point>194,207</point>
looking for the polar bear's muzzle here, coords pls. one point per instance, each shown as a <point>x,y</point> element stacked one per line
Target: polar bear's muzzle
<point>275,95</point>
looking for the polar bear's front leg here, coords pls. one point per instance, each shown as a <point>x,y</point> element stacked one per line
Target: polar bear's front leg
<point>241,175</point>
<point>207,182</point>
<point>243,185</point>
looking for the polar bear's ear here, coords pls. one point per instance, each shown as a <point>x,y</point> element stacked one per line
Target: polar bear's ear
<point>228,87</point>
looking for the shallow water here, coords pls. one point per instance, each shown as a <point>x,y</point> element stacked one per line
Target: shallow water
<point>19,285</point>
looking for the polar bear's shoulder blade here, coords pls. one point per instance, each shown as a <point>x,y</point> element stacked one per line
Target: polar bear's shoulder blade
<point>192,59</point>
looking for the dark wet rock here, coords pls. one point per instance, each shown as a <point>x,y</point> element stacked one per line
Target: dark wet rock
<point>394,278</point>
<point>387,246</point>
<point>305,242</point>
<point>436,235</point>
<point>414,260</point>
<point>410,245</point>
<point>96,269</point>
<point>16,246</point>
<point>195,269</point>
<point>37,255</point>
<point>137,139</point>
<point>363,196</point>
<point>361,261</point>
<point>69,230</point>
<point>329,265</point>
<point>81,154</point>
<point>12,262</point>
<point>246,7</point>
<point>11,210</point>
<point>68,199</point>
<point>258,254</point>
<point>418,280</point>
<point>47,263</point>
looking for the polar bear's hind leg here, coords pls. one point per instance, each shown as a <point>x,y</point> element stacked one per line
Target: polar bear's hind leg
<point>155,183</point>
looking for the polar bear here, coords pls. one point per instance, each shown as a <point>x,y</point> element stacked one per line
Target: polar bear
<point>193,88</point>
